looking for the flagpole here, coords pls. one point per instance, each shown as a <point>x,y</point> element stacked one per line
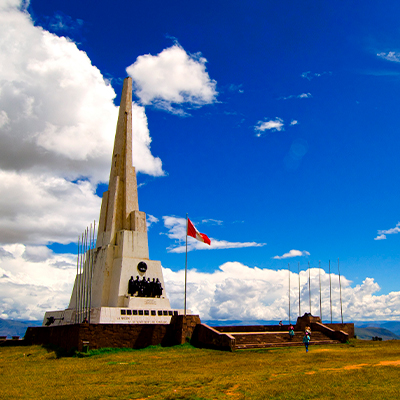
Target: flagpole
<point>186,261</point>
<point>298,269</point>
<point>309,286</point>
<point>320,296</point>
<point>289,290</point>
<point>340,286</point>
<point>330,288</point>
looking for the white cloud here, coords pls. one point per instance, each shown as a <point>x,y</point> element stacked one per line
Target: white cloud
<point>293,253</point>
<point>391,56</point>
<point>57,120</point>
<point>172,77</point>
<point>294,122</point>
<point>150,220</point>
<point>304,96</point>
<point>236,291</point>
<point>177,230</point>
<point>380,237</point>
<point>232,291</point>
<point>39,209</point>
<point>299,96</point>
<point>144,161</point>
<point>274,125</point>
<point>382,233</point>
<point>27,291</point>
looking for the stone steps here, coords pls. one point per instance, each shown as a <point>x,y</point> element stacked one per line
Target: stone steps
<point>247,340</point>
<point>265,345</point>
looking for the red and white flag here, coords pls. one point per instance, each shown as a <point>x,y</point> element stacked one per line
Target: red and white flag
<point>193,232</point>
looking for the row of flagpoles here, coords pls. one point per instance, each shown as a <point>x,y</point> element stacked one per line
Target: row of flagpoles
<point>320,291</point>
<point>193,232</point>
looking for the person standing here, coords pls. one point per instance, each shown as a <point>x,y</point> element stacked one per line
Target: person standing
<point>291,332</point>
<point>306,341</point>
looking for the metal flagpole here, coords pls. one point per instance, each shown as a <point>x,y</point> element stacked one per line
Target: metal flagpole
<point>80,282</point>
<point>330,288</point>
<point>309,286</point>
<point>340,288</point>
<point>289,290</point>
<point>91,268</point>
<point>186,261</point>
<point>88,272</point>
<point>320,296</point>
<point>298,269</point>
<point>85,274</point>
<point>76,284</point>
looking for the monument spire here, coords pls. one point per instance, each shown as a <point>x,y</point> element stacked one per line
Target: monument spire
<point>120,208</point>
<point>121,251</point>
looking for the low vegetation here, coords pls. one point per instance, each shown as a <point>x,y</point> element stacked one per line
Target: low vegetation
<point>359,369</point>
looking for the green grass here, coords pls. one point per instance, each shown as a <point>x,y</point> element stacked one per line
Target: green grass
<point>358,370</point>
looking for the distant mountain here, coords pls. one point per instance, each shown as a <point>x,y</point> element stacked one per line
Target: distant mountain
<point>369,332</point>
<point>14,327</point>
<point>393,326</point>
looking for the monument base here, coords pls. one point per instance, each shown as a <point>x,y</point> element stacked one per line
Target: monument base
<point>95,336</point>
<point>143,314</point>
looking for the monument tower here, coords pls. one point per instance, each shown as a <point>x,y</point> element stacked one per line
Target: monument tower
<point>118,282</point>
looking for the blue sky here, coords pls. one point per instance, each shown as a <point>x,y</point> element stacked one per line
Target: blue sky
<point>279,132</point>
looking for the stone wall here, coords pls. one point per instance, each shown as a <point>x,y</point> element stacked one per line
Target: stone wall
<point>207,337</point>
<point>182,328</point>
<point>346,327</point>
<point>114,335</point>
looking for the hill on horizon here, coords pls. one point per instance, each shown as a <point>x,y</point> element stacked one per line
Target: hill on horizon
<point>14,327</point>
<point>369,332</point>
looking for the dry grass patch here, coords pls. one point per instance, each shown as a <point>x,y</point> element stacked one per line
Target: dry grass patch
<point>367,370</point>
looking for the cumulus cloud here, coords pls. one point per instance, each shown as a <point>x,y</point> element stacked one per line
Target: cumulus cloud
<point>57,127</point>
<point>272,125</point>
<point>293,253</point>
<point>27,291</point>
<point>172,77</point>
<point>232,291</point>
<point>33,208</point>
<point>391,56</point>
<point>177,231</point>
<point>382,233</point>
<point>141,144</point>
<point>237,291</point>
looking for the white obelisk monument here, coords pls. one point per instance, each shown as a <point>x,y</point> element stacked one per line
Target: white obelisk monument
<point>121,250</point>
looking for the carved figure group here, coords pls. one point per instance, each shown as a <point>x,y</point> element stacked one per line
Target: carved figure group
<point>144,288</point>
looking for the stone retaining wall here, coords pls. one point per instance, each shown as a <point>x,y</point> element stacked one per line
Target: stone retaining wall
<point>114,335</point>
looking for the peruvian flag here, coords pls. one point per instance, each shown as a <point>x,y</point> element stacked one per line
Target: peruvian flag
<point>193,232</point>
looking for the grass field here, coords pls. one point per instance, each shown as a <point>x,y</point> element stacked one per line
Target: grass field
<point>358,370</point>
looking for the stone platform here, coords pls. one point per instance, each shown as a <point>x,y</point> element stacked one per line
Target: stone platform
<point>95,336</point>
<point>262,336</point>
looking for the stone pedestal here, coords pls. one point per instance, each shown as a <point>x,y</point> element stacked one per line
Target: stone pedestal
<point>306,320</point>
